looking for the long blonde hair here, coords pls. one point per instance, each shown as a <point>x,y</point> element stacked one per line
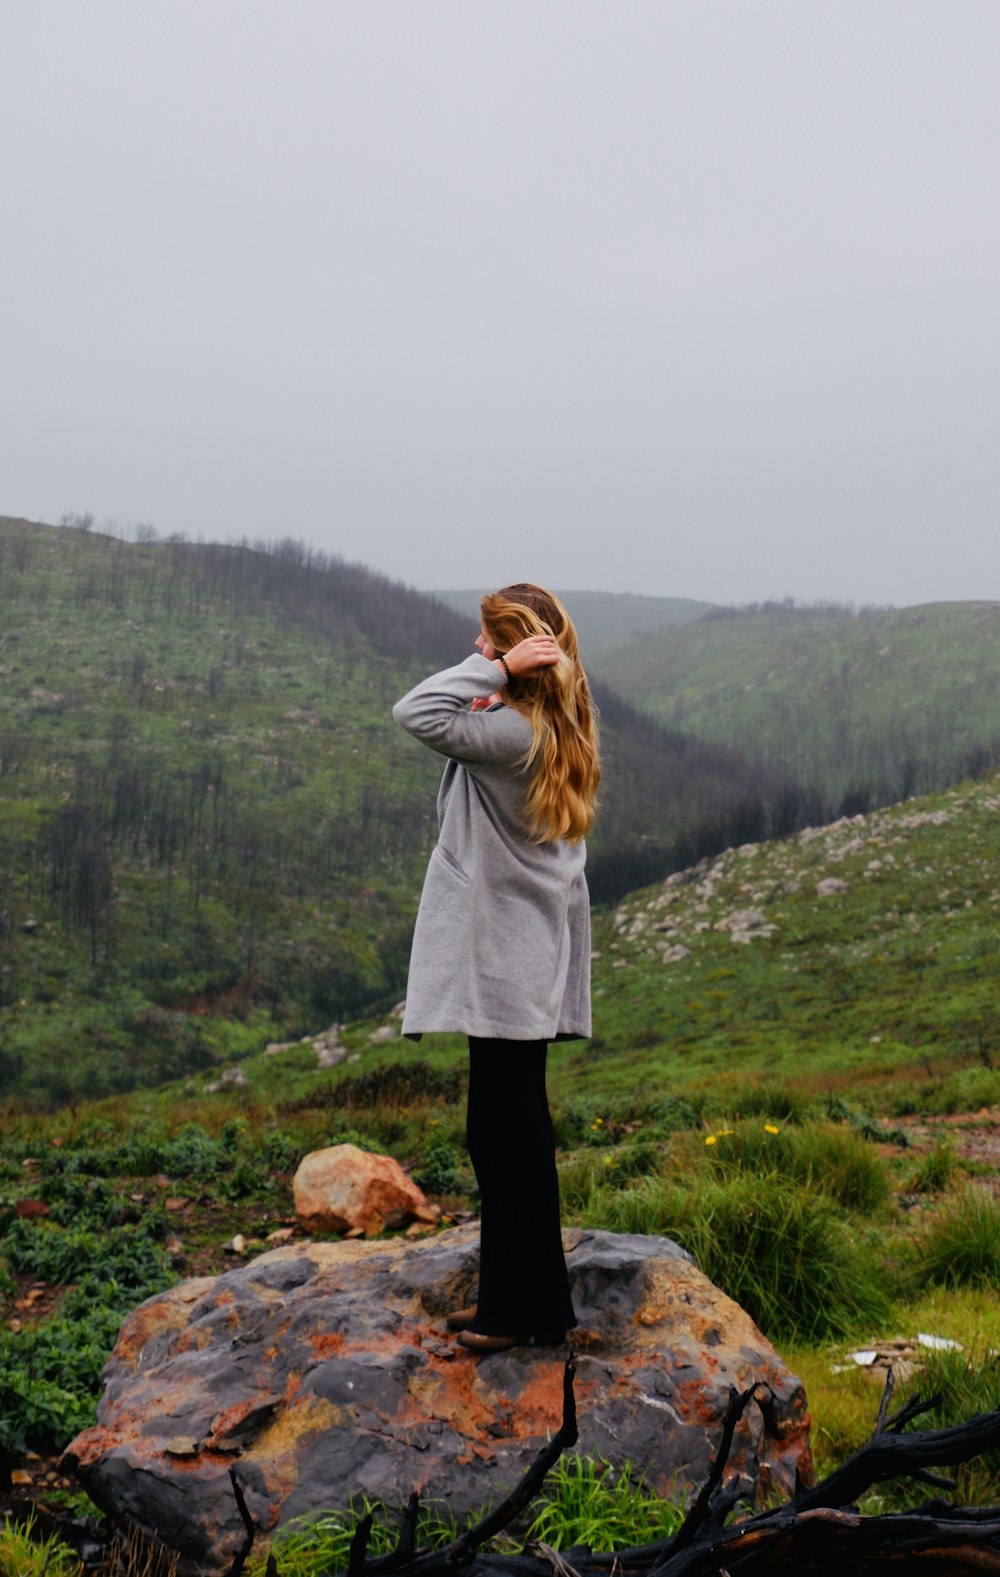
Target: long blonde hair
<point>562,799</point>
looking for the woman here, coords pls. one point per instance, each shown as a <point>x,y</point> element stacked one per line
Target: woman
<point>501,949</point>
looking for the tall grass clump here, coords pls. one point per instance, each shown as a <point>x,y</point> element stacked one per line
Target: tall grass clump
<point>587,1501</point>
<point>819,1155</point>
<point>779,1248</point>
<point>936,1170</point>
<point>23,1554</point>
<point>961,1247</point>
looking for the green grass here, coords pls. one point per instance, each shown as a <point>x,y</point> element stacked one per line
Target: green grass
<point>24,1554</point>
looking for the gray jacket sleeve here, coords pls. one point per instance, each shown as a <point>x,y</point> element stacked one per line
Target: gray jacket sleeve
<point>435,712</point>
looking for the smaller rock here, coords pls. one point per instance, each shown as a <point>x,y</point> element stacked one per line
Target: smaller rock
<point>344,1189</point>
<point>236,1245</point>
<point>382,1036</point>
<point>428,1213</point>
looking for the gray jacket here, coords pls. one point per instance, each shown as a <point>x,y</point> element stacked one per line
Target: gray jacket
<point>501,947</point>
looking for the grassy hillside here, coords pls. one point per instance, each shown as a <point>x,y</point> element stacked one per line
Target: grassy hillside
<point>211,832</point>
<point>795,1072</point>
<point>871,707</point>
<point>604,620</point>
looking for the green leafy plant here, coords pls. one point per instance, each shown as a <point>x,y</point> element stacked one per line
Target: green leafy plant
<point>440,1170</point>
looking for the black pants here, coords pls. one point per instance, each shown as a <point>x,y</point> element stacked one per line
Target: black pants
<point>523,1285</point>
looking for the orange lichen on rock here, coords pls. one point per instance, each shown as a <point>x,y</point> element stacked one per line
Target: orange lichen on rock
<point>171,1311</point>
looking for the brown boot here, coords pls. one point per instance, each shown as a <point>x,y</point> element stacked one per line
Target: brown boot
<point>460,1319</point>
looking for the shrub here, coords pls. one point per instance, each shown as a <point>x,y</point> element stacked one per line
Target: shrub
<point>961,1247</point>
<point>440,1168</point>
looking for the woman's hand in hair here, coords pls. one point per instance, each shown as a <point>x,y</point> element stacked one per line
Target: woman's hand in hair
<point>538,651</point>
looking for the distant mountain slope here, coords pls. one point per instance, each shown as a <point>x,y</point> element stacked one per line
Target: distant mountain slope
<point>605,620</point>
<point>211,831</point>
<point>874,707</point>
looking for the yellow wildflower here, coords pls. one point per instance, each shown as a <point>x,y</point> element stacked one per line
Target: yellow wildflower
<point>710,1138</point>
<point>770,1128</point>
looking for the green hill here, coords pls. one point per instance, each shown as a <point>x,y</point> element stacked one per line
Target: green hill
<point>211,832</point>
<point>605,620</point>
<point>867,708</point>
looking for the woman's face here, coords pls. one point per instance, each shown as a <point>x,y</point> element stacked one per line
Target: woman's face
<point>485,645</point>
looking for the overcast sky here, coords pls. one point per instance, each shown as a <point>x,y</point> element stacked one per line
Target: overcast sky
<point>694,298</point>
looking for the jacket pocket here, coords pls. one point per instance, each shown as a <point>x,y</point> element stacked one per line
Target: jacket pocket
<point>451,864</point>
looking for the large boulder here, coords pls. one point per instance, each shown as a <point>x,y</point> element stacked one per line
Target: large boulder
<point>344,1189</point>
<point>322,1372</point>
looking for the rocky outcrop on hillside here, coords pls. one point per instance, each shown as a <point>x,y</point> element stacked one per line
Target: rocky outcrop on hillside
<point>322,1371</point>
<point>743,893</point>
